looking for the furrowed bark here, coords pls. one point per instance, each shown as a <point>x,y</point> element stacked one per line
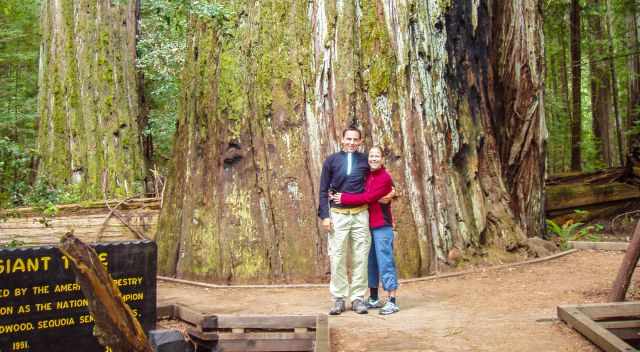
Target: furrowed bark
<point>422,79</point>
<point>88,98</point>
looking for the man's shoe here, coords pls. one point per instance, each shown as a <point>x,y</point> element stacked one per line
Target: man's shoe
<point>338,307</point>
<point>373,303</point>
<point>359,307</point>
<point>389,308</point>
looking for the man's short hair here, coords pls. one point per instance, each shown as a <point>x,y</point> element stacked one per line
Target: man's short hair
<point>351,128</point>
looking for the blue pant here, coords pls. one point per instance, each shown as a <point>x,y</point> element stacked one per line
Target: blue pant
<point>382,266</point>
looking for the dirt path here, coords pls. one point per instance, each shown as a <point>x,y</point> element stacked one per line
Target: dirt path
<point>499,310</point>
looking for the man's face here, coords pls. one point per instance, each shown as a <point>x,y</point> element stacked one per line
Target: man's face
<point>351,141</point>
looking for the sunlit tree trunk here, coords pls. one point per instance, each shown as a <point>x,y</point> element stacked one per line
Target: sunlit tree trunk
<point>452,91</point>
<point>88,97</point>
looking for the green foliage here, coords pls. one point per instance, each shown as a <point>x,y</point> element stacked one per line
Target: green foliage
<point>161,50</point>
<point>19,45</point>
<point>574,231</point>
<point>595,48</point>
<point>45,196</point>
<point>13,244</point>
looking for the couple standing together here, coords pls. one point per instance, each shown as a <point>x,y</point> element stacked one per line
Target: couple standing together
<point>355,208</point>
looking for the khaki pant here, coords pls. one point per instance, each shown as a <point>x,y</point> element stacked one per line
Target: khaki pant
<point>349,230</point>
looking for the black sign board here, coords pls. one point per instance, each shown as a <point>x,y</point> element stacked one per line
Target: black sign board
<point>43,309</point>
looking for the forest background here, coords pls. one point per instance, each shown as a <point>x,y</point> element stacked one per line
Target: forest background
<point>609,89</point>
<point>591,100</point>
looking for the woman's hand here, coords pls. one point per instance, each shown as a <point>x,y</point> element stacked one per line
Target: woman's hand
<point>335,197</point>
<point>389,197</point>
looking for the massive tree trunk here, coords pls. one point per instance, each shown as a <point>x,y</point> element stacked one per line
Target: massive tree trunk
<point>600,85</point>
<point>453,92</point>
<point>88,98</point>
<point>576,93</point>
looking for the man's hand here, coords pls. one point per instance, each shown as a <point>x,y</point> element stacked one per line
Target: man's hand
<point>389,197</point>
<point>326,224</point>
<point>335,197</point>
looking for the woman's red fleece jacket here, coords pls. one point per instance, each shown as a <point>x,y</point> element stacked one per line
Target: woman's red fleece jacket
<point>377,185</point>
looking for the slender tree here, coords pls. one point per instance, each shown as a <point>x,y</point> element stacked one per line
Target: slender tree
<point>614,83</point>
<point>633,88</point>
<point>601,92</point>
<point>576,74</point>
<point>88,99</point>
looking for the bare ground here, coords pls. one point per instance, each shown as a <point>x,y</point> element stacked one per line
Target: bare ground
<point>511,309</point>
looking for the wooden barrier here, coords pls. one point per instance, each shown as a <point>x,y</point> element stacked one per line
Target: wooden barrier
<point>611,326</point>
<point>253,332</point>
<point>91,222</point>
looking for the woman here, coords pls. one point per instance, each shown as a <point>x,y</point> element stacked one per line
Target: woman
<point>381,262</point>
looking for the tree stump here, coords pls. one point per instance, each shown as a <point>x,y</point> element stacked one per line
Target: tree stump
<point>115,323</point>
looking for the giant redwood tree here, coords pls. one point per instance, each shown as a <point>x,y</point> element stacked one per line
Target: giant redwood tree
<point>451,89</point>
<point>88,132</point>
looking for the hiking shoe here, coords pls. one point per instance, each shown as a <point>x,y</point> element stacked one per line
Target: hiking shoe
<point>389,308</point>
<point>338,307</point>
<point>373,303</point>
<point>359,307</point>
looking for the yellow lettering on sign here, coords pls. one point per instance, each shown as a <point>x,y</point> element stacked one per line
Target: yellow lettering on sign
<point>74,303</point>
<point>137,296</point>
<point>70,287</point>
<point>24,309</point>
<point>20,345</point>
<point>6,310</point>
<point>40,290</point>
<point>56,323</point>
<point>13,328</point>
<point>86,319</point>
<point>43,307</point>
<point>22,265</point>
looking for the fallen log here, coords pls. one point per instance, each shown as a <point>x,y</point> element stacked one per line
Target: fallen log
<point>573,196</point>
<point>115,324</point>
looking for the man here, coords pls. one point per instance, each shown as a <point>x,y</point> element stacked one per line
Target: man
<point>348,226</point>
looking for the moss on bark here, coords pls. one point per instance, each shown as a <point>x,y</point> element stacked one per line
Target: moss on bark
<point>88,105</point>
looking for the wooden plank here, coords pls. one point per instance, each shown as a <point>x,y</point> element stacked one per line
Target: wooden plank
<point>215,335</point>
<point>267,336</point>
<point>600,336</point>
<point>626,333</point>
<point>620,324</point>
<point>266,321</point>
<point>601,246</point>
<point>300,330</point>
<point>600,311</point>
<point>322,343</point>
<point>257,341</point>
<point>188,315</point>
<point>165,311</point>
<point>266,345</point>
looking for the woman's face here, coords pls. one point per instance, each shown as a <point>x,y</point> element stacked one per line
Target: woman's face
<point>375,159</point>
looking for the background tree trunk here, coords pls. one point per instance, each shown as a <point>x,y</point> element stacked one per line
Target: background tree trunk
<point>453,92</point>
<point>600,84</point>
<point>633,105</point>
<point>88,97</point>
<point>576,71</point>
